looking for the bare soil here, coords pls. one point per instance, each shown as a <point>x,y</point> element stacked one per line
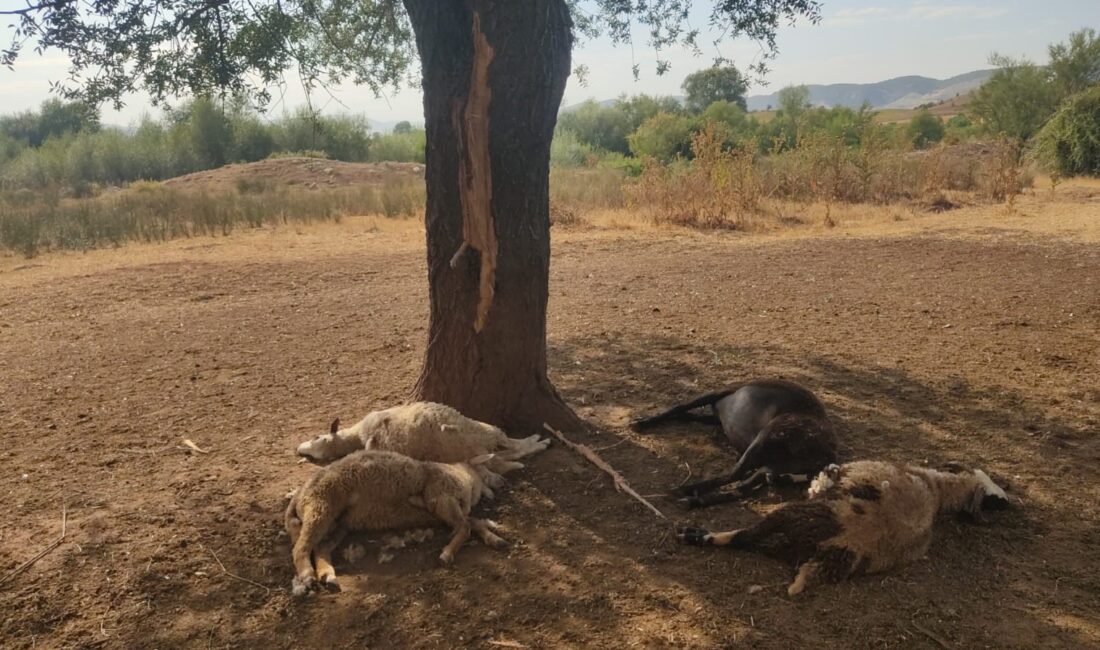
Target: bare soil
<point>957,339</point>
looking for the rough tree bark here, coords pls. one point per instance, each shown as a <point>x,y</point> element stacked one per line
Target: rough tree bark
<point>494,72</point>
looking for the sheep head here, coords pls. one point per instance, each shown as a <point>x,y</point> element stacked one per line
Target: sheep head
<point>329,446</point>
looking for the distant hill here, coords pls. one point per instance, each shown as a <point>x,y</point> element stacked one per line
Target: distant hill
<point>900,92</point>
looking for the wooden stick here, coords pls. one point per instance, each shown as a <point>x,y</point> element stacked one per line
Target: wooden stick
<point>54,544</point>
<point>928,633</point>
<point>620,483</point>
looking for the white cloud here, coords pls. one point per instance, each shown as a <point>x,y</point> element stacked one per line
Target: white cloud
<point>856,16</point>
<point>917,11</point>
<point>922,11</point>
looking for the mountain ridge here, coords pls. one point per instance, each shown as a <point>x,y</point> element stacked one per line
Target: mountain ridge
<point>907,91</point>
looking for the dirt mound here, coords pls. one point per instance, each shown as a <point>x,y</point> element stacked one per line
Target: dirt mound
<point>311,173</point>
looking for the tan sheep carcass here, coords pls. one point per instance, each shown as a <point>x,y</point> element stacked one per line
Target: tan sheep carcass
<point>862,517</point>
<point>380,490</point>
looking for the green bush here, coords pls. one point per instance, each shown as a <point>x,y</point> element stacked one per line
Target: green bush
<point>664,137</point>
<point>1016,100</point>
<point>342,137</point>
<point>599,127</point>
<point>566,150</point>
<point>54,119</point>
<point>252,140</point>
<point>406,146</point>
<point>211,133</point>
<point>925,129</point>
<point>1069,144</point>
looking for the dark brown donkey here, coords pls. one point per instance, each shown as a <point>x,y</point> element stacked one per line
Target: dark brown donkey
<point>779,428</point>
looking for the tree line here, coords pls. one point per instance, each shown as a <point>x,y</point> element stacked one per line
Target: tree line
<point>64,143</point>
<point>1051,109</point>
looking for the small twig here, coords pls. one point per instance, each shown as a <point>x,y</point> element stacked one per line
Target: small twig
<point>506,644</point>
<point>928,633</point>
<point>233,575</point>
<point>54,544</point>
<point>620,483</point>
<point>611,446</point>
<point>686,478</point>
<point>192,446</point>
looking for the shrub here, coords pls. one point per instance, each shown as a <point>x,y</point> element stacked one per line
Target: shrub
<point>663,137</point>
<point>405,146</point>
<point>599,127</point>
<point>1016,100</point>
<point>925,129</point>
<point>1069,144</point>
<point>211,133</point>
<point>566,150</point>
<point>716,190</point>
<point>305,153</point>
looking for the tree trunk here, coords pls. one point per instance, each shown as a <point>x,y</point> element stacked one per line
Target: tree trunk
<point>494,72</point>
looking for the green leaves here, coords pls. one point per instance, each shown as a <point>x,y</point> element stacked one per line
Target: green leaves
<point>172,48</point>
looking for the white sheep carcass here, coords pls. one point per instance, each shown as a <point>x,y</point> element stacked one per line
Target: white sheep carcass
<point>424,431</point>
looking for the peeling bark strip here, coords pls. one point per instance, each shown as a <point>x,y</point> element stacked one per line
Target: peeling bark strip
<point>475,180</point>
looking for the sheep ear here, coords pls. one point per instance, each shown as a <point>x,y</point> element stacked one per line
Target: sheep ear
<point>974,505</point>
<point>335,426</point>
<point>481,460</point>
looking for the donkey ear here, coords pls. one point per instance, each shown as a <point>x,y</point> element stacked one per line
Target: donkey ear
<point>335,426</point>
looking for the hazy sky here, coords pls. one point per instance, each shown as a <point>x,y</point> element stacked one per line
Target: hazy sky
<point>858,41</point>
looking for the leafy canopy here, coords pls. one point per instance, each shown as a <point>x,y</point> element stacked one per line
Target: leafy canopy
<point>177,47</point>
<point>1016,100</point>
<point>1069,144</point>
<point>719,83</point>
<point>925,129</point>
<point>1075,65</point>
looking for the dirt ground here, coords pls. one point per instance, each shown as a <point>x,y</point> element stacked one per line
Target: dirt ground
<point>971,335</point>
<point>310,173</point>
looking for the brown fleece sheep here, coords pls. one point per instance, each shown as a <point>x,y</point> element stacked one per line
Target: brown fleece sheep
<point>378,490</point>
<point>862,517</point>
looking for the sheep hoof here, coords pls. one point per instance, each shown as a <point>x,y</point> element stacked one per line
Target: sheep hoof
<point>330,583</point>
<point>446,557</point>
<point>693,536</point>
<point>301,586</point>
<point>796,588</point>
<point>496,541</point>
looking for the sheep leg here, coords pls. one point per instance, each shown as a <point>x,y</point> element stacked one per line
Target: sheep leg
<point>449,510</point>
<point>519,448</point>
<point>312,533</point>
<point>291,521</point>
<point>322,556</point>
<point>703,537</point>
<point>487,530</point>
<point>742,489</point>
<point>500,465</point>
<point>806,573</point>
